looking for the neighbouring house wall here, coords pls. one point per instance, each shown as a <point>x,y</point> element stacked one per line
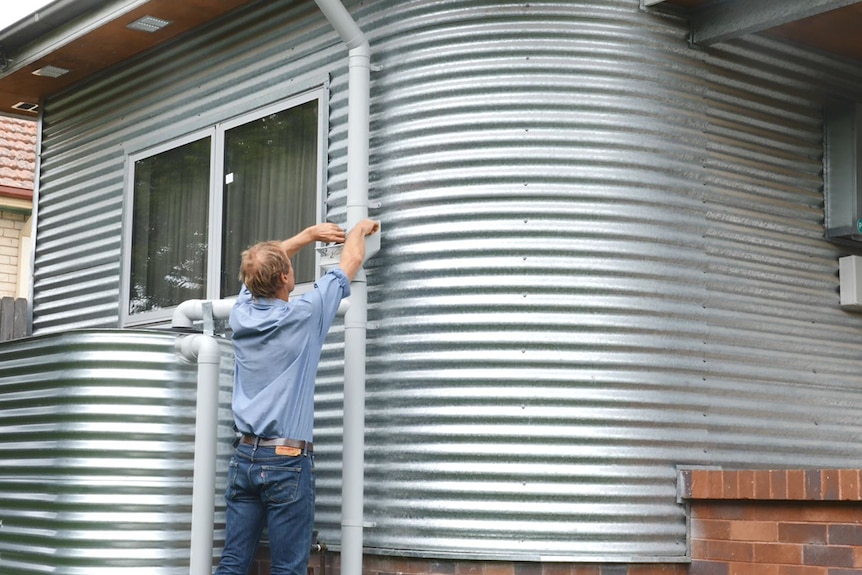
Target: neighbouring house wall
<point>17,173</point>
<point>12,238</point>
<point>603,257</point>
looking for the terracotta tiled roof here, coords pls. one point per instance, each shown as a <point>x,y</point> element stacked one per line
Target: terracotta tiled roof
<point>17,153</point>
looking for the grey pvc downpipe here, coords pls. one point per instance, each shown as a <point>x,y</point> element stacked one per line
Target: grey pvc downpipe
<point>355,320</point>
<point>205,350</point>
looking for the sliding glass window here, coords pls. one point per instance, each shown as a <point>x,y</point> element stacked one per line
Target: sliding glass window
<point>198,202</point>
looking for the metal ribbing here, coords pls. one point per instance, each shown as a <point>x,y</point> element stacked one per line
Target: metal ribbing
<point>252,59</point>
<point>96,442</point>
<point>781,363</point>
<point>603,258</point>
<point>536,310</point>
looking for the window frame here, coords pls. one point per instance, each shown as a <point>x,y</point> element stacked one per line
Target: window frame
<point>216,133</point>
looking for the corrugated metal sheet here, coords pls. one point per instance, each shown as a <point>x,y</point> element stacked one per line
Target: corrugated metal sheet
<point>96,454</point>
<point>572,300</point>
<point>781,375</point>
<point>256,58</point>
<point>602,258</point>
<point>537,307</point>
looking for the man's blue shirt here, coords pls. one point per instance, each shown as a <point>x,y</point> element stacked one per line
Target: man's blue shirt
<point>277,346</point>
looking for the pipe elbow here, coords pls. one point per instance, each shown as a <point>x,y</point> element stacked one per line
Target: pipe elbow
<point>184,313</point>
<point>343,307</point>
<point>198,348</point>
<point>359,47</point>
<point>208,350</point>
<point>192,310</point>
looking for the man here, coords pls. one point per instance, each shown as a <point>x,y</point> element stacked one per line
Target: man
<point>277,343</point>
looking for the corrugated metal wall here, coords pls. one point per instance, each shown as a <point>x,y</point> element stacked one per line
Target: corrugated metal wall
<point>603,257</point>
<point>781,379</point>
<point>537,307</point>
<point>255,59</point>
<point>96,454</point>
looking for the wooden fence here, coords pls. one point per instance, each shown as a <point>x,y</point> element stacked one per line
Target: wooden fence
<point>14,318</point>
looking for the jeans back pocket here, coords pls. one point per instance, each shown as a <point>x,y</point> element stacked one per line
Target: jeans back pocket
<point>281,484</point>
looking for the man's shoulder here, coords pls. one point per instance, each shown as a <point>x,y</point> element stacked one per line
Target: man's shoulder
<point>333,285</point>
<point>336,275</point>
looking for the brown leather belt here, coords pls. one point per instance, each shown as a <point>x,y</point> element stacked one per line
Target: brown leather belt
<point>303,446</point>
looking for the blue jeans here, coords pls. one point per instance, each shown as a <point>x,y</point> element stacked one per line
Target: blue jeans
<point>274,490</point>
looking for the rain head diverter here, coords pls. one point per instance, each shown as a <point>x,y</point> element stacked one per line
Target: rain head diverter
<point>280,342</point>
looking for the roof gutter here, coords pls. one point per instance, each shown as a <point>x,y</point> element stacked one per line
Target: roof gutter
<point>722,21</point>
<point>56,25</point>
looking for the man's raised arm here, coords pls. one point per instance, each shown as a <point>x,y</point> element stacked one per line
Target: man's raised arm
<point>325,232</point>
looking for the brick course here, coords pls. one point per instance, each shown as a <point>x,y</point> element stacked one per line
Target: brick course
<point>774,522</point>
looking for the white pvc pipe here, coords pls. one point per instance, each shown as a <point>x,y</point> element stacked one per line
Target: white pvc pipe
<point>355,323</point>
<point>353,450</point>
<point>191,310</point>
<point>343,23</point>
<point>353,443</point>
<point>355,320</point>
<point>205,350</point>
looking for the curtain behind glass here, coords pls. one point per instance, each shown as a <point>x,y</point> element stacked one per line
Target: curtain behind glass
<point>169,228</point>
<point>270,189</point>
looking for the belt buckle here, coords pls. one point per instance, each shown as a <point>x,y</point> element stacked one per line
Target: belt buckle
<point>287,450</point>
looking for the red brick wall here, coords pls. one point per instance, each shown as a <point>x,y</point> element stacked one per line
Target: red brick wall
<point>741,522</point>
<point>380,565</point>
<point>774,522</point>
<point>390,566</point>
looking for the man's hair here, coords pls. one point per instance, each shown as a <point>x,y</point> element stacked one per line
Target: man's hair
<point>261,267</point>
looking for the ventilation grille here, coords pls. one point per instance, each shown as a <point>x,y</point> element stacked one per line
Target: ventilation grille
<point>148,24</point>
<point>26,106</point>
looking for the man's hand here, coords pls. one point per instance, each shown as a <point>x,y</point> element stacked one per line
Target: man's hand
<point>325,232</point>
<point>328,233</point>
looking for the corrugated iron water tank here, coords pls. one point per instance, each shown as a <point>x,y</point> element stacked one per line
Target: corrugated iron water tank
<point>535,309</point>
<point>602,259</point>
<point>96,454</point>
